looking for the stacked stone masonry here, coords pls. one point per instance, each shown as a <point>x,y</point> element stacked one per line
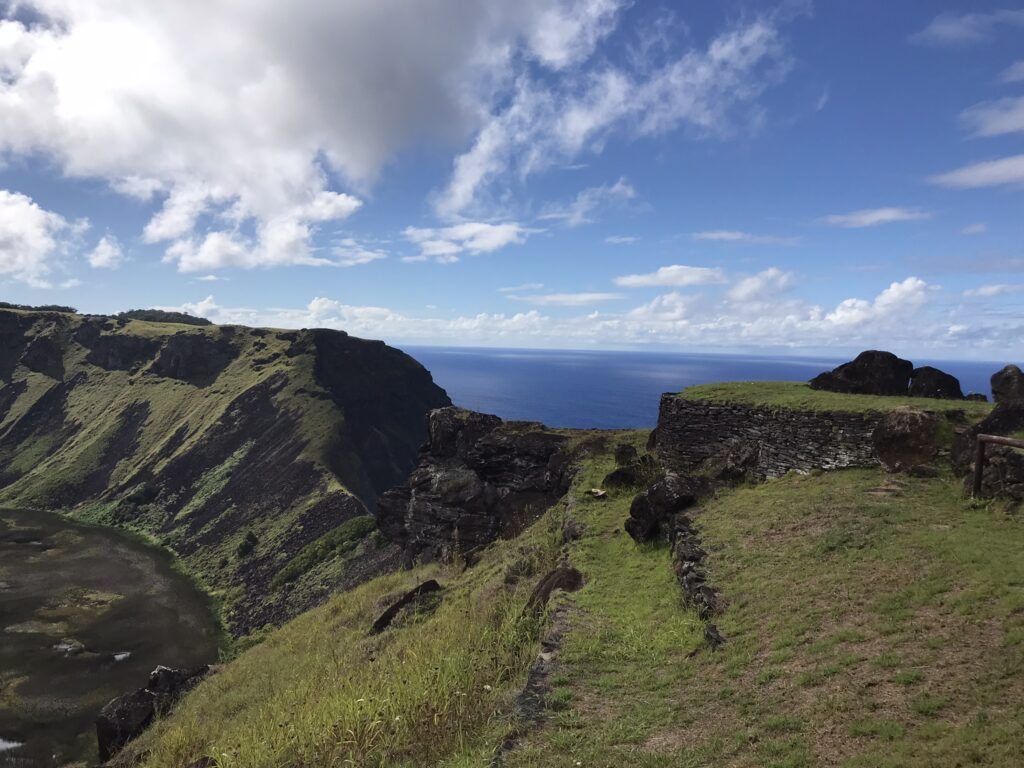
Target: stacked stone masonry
<point>773,441</point>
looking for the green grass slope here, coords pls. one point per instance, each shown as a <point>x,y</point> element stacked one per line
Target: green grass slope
<point>873,620</point>
<point>238,448</point>
<point>797,395</point>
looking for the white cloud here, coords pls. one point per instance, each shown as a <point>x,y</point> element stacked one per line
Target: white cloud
<point>253,114</point>
<point>899,299</point>
<point>995,118</point>
<point>974,229</point>
<point>873,217</point>
<point>543,122</point>
<point>676,275</point>
<point>1013,73</point>
<point>899,315</point>
<point>566,299</point>
<point>621,239</point>
<point>107,254</point>
<point>523,287</point>
<point>989,291</point>
<point>589,200</point>
<point>444,244</point>
<point>956,29</point>
<point>32,239</point>
<point>764,285</point>
<point>990,173</point>
<point>210,278</point>
<point>350,253</point>
<point>734,236</point>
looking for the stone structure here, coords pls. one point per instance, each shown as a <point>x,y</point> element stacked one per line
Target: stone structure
<point>693,434</point>
<point>1008,384</point>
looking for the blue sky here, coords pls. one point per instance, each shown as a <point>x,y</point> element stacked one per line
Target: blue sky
<point>782,177</point>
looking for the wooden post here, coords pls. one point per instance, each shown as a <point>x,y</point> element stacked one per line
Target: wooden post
<point>979,468</point>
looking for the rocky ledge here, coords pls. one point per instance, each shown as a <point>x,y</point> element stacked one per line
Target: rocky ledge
<point>478,478</point>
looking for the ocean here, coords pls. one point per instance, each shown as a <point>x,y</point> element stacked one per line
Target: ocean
<point>615,390</point>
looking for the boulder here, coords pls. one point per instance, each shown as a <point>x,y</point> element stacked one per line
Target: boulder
<point>870,373</point>
<point>1008,384</point>
<point>637,472</point>
<point>126,717</point>
<point>653,509</point>
<point>625,454</point>
<point>123,720</point>
<point>931,382</point>
<point>906,437</point>
<point>976,397</point>
<point>1004,466</point>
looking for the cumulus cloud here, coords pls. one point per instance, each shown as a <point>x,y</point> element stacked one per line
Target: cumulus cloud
<point>244,119</point>
<point>961,29</point>
<point>989,173</point>
<point>767,284</point>
<point>444,244</point>
<point>995,118</point>
<point>675,275</point>
<point>107,254</point>
<point>674,318</point>
<point>541,122</point>
<point>350,253</point>
<point>734,236</point>
<point>579,211</point>
<point>566,299</point>
<point>32,239</point>
<point>873,217</point>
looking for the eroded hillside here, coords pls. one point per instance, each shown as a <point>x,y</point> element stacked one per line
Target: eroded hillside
<point>240,448</point>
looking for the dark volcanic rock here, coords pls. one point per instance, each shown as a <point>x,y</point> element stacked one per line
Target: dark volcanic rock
<point>197,358</point>
<point>637,472</point>
<point>417,596</point>
<point>653,508</point>
<point>123,720</point>
<point>1008,384</point>
<point>625,454</point>
<point>126,717</point>
<point>906,438</point>
<point>976,397</point>
<point>478,478</point>
<point>1004,466</point>
<point>120,351</point>
<point>931,382</point>
<point>43,355</point>
<point>870,373</point>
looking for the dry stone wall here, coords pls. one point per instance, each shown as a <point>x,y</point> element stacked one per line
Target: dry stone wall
<point>770,441</point>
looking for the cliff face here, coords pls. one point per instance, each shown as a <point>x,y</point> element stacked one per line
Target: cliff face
<point>478,479</point>
<point>239,448</point>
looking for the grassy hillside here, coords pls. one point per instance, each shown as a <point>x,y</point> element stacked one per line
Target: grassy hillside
<point>797,395</point>
<point>239,448</point>
<point>873,620</point>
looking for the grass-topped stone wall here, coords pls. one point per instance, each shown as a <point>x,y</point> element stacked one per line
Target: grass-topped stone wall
<point>775,427</point>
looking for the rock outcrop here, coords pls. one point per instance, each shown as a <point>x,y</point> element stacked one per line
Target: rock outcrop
<point>1008,384</point>
<point>125,718</point>
<point>870,373</point>
<point>653,510</point>
<point>931,382</point>
<point>478,478</point>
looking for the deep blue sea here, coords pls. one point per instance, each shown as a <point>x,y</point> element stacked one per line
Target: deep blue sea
<point>610,390</point>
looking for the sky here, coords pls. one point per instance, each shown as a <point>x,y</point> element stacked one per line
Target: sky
<point>784,177</point>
